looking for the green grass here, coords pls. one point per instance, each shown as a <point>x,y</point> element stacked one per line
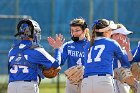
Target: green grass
<point>51,88</point>
<point>46,86</point>
<point>43,88</point>
<point>50,85</point>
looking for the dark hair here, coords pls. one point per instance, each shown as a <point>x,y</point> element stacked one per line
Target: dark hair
<point>101,23</point>
<point>98,24</point>
<point>79,22</point>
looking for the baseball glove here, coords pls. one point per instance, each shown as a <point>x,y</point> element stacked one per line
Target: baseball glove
<point>51,73</point>
<point>124,75</point>
<point>135,69</point>
<point>75,74</point>
<point>134,90</point>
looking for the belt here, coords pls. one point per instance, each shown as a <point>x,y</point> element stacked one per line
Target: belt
<point>102,74</point>
<point>98,75</point>
<point>22,81</point>
<point>27,80</point>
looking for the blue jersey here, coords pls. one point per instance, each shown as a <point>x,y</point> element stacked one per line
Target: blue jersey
<point>24,61</point>
<point>116,62</point>
<point>73,53</point>
<point>100,58</point>
<point>136,56</point>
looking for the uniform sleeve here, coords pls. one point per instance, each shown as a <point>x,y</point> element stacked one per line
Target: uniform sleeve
<point>122,56</point>
<point>136,56</point>
<point>44,58</point>
<point>86,51</point>
<point>64,54</point>
<point>57,55</point>
<point>115,63</point>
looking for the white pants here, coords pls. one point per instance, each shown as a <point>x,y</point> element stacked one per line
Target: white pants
<point>138,86</point>
<point>121,88</point>
<point>70,88</point>
<point>97,84</point>
<point>23,87</point>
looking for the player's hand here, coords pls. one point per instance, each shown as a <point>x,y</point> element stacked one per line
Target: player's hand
<point>56,43</point>
<point>127,44</point>
<point>124,41</point>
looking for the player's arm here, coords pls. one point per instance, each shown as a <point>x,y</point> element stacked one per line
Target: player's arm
<point>125,45</point>
<point>115,63</point>
<point>58,45</point>
<point>136,56</point>
<point>44,58</point>
<point>121,56</point>
<point>128,49</point>
<point>64,54</point>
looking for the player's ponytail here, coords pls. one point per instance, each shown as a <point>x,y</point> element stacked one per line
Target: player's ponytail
<point>97,25</point>
<point>87,35</point>
<point>93,36</point>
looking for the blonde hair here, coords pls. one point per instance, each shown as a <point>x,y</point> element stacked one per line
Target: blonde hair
<point>119,25</point>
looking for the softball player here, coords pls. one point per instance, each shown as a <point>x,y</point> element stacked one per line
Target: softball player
<point>73,51</point>
<point>25,58</point>
<point>99,55</point>
<point>120,35</point>
<point>136,58</point>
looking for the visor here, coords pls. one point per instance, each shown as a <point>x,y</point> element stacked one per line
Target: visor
<point>112,26</point>
<point>122,30</point>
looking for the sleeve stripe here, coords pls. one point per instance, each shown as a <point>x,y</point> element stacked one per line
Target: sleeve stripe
<point>46,54</point>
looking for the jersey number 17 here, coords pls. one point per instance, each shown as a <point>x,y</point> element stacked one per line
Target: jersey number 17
<point>98,56</point>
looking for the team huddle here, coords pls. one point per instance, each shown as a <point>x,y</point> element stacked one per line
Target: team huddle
<point>100,63</point>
